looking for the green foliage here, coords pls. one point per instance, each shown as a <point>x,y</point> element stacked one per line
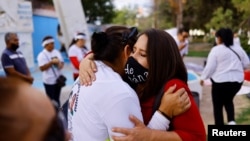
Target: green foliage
<point>144,22</point>
<point>198,53</point>
<point>244,43</point>
<point>165,16</point>
<point>197,13</point>
<point>243,5</point>
<point>221,18</point>
<point>102,10</point>
<point>125,16</point>
<point>244,117</point>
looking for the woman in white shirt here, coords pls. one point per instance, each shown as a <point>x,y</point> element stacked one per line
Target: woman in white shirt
<point>94,110</point>
<point>50,62</point>
<point>76,52</point>
<point>225,67</point>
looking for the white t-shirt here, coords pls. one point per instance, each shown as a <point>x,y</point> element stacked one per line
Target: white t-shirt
<point>78,52</point>
<point>45,57</point>
<point>94,110</point>
<point>184,51</point>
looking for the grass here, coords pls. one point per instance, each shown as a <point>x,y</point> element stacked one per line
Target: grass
<point>244,116</point>
<point>199,49</point>
<point>193,53</point>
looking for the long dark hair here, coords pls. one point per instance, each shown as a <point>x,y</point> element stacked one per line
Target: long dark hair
<point>164,60</point>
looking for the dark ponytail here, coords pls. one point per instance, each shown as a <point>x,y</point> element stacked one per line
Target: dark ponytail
<point>110,44</point>
<point>99,42</point>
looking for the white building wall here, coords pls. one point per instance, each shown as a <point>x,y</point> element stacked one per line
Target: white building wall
<point>71,19</point>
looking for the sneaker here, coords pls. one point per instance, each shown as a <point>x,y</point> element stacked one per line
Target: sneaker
<point>231,123</point>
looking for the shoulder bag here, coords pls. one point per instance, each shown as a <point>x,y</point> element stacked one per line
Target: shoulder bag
<point>61,79</point>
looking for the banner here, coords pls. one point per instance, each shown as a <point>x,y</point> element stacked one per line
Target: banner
<point>15,16</point>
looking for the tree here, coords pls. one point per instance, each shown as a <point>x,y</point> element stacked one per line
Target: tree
<point>125,16</point>
<point>98,10</point>
<point>167,13</point>
<point>166,16</point>
<point>177,9</point>
<point>243,7</point>
<point>221,18</point>
<point>95,10</point>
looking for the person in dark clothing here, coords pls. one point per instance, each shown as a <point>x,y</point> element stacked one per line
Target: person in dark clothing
<point>13,61</point>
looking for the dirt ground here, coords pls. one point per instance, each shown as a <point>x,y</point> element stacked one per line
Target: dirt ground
<point>241,101</point>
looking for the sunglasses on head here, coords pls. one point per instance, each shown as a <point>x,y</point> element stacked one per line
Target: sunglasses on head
<point>127,36</point>
<point>58,126</point>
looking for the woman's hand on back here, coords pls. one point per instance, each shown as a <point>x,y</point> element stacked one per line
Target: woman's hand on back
<point>87,71</point>
<point>175,103</point>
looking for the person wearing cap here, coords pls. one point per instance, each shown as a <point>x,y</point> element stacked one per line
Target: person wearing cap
<point>50,62</point>
<point>77,51</point>
<point>13,61</point>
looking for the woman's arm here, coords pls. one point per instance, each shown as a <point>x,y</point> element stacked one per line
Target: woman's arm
<point>172,104</point>
<point>189,125</point>
<point>87,70</point>
<point>142,133</point>
<point>74,61</point>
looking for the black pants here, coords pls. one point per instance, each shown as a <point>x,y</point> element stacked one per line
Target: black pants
<point>53,91</point>
<point>223,95</point>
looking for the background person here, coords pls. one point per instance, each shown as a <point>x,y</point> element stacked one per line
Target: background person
<point>61,39</point>
<point>236,38</point>
<point>77,51</point>
<point>13,61</point>
<point>182,41</point>
<point>225,68</point>
<point>26,114</point>
<point>50,62</point>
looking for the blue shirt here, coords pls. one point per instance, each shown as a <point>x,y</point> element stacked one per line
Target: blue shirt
<point>14,59</point>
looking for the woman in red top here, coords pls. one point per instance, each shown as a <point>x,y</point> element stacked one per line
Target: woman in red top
<point>156,63</point>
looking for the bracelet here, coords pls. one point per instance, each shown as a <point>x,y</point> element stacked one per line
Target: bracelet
<point>166,116</point>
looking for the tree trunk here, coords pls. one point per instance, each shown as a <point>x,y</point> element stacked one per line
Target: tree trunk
<point>155,20</point>
<point>179,18</point>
